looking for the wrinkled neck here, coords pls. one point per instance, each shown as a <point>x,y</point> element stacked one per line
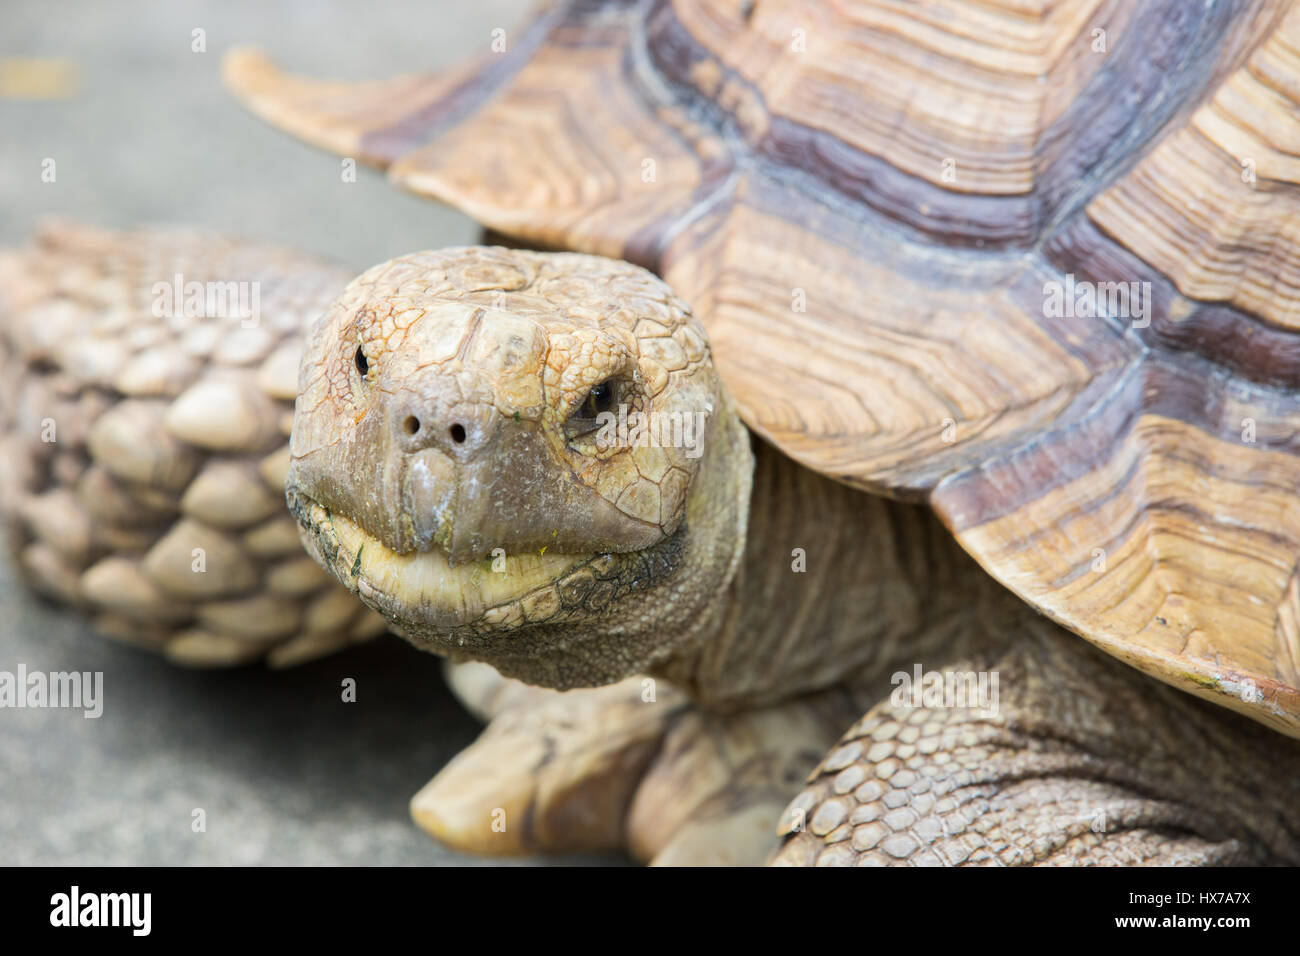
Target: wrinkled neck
<point>835,585</point>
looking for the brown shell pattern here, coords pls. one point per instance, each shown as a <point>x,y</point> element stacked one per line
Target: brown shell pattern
<point>872,205</point>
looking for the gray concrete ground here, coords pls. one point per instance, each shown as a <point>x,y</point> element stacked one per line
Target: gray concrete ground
<point>284,771</point>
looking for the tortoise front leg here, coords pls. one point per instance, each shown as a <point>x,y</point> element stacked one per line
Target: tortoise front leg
<point>1086,761</point>
<point>551,772</point>
<point>610,769</point>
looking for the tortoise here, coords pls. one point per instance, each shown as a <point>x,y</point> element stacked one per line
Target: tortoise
<point>976,327</point>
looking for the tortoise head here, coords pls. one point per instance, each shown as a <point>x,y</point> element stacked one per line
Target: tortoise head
<point>522,458</point>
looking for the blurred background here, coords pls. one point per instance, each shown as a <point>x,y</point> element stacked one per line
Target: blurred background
<point>142,132</point>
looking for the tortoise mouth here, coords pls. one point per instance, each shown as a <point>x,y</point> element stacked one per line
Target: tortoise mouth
<point>423,589</point>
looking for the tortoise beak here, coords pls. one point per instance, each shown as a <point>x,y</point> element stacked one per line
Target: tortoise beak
<point>464,479</point>
<point>508,493</point>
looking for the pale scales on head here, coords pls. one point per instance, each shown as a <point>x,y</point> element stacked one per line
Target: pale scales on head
<point>440,422</point>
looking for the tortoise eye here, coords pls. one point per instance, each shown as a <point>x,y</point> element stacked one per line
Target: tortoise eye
<point>599,400</point>
<point>363,366</point>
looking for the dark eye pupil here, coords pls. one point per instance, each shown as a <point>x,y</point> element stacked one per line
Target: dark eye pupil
<point>599,399</point>
<point>362,365</point>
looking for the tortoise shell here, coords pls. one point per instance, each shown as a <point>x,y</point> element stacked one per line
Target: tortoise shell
<point>1033,263</point>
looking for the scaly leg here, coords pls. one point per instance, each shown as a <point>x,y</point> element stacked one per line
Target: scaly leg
<point>607,768</point>
<point>1086,762</point>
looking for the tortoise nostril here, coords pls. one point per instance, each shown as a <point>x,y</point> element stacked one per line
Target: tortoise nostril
<point>411,424</point>
<point>458,433</point>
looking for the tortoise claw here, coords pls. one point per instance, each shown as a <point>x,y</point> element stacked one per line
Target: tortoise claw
<point>552,772</point>
<point>607,769</point>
